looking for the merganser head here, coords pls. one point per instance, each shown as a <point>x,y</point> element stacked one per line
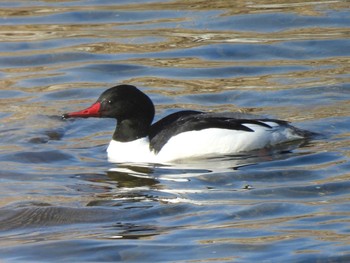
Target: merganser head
<point>121,102</point>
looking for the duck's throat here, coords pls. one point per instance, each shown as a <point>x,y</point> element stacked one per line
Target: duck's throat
<point>130,130</point>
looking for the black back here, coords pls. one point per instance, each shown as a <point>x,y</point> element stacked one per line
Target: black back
<point>184,121</point>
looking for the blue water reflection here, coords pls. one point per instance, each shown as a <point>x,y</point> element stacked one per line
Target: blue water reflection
<point>60,199</point>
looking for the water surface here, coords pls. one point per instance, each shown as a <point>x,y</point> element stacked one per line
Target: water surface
<point>60,200</point>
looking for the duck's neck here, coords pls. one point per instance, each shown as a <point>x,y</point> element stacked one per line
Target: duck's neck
<point>130,130</point>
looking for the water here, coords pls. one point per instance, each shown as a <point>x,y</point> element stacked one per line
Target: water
<point>60,200</point>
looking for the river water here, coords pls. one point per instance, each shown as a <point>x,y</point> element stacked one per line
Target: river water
<point>60,199</point>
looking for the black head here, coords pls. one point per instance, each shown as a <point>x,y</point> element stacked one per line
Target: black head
<point>122,102</point>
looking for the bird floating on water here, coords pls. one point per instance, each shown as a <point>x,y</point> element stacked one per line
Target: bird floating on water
<point>181,135</point>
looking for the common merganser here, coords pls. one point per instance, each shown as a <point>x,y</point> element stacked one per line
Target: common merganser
<point>181,135</point>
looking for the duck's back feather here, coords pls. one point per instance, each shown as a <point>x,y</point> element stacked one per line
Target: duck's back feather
<point>189,121</point>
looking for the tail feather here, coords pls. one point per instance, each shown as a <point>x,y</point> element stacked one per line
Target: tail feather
<point>304,133</point>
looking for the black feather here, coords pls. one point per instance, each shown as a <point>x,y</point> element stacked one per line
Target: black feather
<point>183,121</point>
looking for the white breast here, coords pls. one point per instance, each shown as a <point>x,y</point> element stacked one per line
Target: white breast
<point>134,151</point>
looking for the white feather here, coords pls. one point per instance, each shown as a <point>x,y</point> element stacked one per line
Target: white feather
<point>134,151</point>
<point>202,143</point>
<point>215,141</point>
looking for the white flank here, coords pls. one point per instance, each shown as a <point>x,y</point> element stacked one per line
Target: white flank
<point>214,141</point>
<point>203,143</point>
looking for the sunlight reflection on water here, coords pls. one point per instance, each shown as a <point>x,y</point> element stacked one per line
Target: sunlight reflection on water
<point>59,193</point>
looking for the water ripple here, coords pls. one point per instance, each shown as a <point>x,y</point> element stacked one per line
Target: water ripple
<point>283,59</point>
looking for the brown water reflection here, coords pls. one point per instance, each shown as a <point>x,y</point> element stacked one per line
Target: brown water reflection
<point>59,194</point>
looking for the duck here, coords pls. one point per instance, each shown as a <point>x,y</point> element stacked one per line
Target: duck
<point>183,135</point>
